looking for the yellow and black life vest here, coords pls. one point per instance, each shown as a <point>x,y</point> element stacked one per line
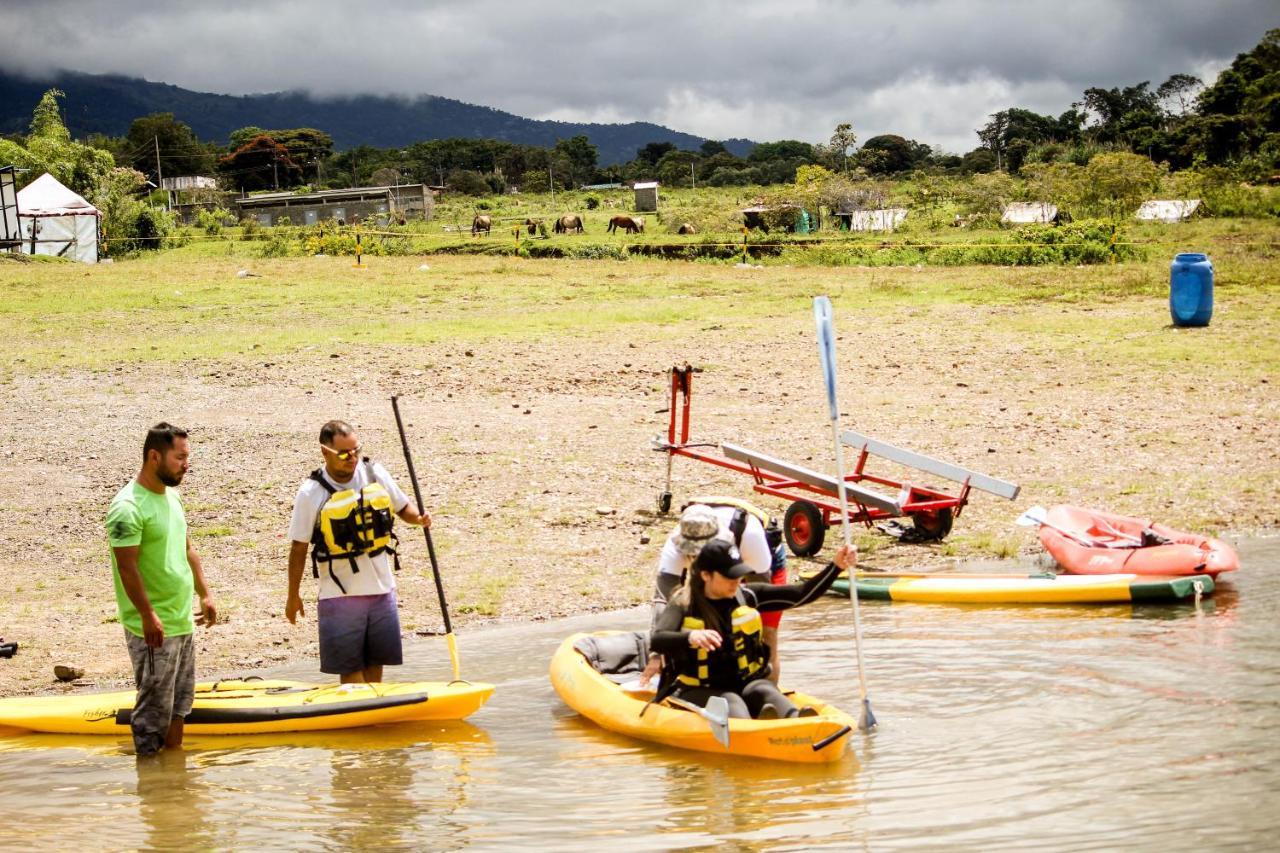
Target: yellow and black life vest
<point>737,526</point>
<point>353,522</point>
<point>750,652</point>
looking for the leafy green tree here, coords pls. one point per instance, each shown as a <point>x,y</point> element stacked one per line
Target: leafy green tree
<point>1118,182</point>
<point>1062,183</point>
<point>978,161</point>
<point>180,152</point>
<point>1177,95</point>
<point>677,168</point>
<point>307,147</point>
<point>652,152</point>
<point>894,154</point>
<point>842,140</point>
<point>711,148</point>
<point>261,163</point>
<point>129,224</point>
<point>986,194</point>
<point>581,157</point>
<point>467,182</point>
<point>783,149</point>
<point>49,148</point>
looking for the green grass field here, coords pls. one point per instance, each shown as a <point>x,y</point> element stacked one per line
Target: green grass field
<point>188,302</point>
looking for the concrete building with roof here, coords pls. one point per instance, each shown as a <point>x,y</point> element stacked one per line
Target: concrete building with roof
<point>406,201</point>
<point>646,196</point>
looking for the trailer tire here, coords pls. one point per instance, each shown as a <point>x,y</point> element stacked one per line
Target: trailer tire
<point>804,529</point>
<point>932,525</point>
<point>664,503</point>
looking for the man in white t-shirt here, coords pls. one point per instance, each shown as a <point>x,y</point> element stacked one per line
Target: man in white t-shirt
<point>356,612</point>
<point>699,524</point>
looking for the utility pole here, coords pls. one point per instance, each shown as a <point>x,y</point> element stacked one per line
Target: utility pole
<point>275,172</point>
<point>551,182</point>
<point>159,176</point>
<point>693,176</point>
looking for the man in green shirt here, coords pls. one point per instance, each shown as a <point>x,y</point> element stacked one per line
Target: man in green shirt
<point>156,570</point>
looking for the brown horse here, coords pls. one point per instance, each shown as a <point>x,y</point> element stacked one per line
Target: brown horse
<point>687,228</point>
<point>481,223</point>
<point>629,224</point>
<point>568,223</point>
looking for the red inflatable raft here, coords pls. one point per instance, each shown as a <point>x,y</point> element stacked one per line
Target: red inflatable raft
<point>1092,542</point>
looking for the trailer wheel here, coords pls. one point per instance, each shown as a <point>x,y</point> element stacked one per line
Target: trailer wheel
<point>664,503</point>
<point>932,525</point>
<point>804,529</point>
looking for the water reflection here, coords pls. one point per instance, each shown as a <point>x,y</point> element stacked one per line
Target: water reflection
<point>1119,727</point>
<point>173,802</point>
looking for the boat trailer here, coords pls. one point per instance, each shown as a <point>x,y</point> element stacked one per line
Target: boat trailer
<point>814,499</point>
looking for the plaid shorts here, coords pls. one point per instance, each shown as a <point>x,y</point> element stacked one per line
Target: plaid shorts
<point>166,679</point>
<point>358,631</point>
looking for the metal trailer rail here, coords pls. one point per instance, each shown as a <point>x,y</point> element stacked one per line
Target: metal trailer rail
<point>813,495</point>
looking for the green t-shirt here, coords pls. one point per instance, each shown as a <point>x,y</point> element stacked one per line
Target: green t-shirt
<point>158,526</point>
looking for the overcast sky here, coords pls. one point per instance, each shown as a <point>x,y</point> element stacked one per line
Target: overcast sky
<point>931,71</point>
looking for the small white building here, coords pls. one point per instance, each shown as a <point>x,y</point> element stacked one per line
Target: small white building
<point>1168,210</point>
<point>52,220</point>
<point>1030,213</point>
<point>884,219</point>
<point>646,196</point>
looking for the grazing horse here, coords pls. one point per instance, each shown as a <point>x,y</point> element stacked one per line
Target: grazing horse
<point>629,224</point>
<point>568,223</point>
<point>535,226</point>
<point>687,228</point>
<point>481,223</point>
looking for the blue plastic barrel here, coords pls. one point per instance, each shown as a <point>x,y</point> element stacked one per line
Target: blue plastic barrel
<point>1191,289</point>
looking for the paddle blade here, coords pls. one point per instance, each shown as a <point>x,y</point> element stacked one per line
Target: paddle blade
<point>717,714</point>
<point>866,720</point>
<point>1033,517</point>
<point>826,350</point>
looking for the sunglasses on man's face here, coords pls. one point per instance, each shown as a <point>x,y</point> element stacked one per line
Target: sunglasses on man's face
<point>343,455</point>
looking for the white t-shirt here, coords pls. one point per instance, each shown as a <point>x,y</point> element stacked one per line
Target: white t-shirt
<point>375,576</point>
<point>754,546</point>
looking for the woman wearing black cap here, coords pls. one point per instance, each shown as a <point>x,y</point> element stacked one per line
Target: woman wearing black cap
<point>710,631</point>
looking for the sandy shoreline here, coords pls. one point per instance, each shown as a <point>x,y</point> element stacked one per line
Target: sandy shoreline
<point>534,460</point>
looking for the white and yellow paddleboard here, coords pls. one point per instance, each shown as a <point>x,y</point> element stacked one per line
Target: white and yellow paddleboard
<point>256,706</point>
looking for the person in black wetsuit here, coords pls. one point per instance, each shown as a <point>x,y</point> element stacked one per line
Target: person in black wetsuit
<point>710,631</point>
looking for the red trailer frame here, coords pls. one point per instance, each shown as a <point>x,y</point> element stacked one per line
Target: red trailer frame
<point>815,502</point>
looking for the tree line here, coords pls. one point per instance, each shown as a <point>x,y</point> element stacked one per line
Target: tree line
<point>1233,123</point>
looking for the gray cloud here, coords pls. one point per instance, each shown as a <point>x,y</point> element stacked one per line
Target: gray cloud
<point>925,69</point>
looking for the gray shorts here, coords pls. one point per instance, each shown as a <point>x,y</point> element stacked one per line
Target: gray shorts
<point>358,631</point>
<point>166,680</point>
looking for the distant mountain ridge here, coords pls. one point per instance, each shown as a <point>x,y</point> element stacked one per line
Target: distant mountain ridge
<point>108,103</point>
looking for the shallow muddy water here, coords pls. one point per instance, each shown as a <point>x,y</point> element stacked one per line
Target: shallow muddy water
<point>1151,727</point>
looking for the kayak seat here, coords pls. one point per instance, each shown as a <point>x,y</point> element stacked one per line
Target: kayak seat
<point>619,657</point>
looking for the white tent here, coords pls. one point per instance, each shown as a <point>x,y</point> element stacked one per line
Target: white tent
<point>55,221</point>
<point>1030,213</point>
<point>1168,210</point>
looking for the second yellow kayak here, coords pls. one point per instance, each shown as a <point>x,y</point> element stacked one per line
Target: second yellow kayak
<point>256,706</point>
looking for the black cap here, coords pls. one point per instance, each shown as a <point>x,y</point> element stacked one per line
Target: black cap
<point>723,557</point>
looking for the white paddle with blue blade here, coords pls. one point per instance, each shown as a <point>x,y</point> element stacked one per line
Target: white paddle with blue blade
<point>827,353</point>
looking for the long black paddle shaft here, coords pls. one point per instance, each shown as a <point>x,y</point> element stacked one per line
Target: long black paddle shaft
<point>417,494</point>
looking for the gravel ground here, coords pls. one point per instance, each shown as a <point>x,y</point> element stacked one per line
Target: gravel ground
<point>535,463</point>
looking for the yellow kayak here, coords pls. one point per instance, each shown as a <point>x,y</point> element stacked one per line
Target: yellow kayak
<point>818,739</point>
<point>256,706</point>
